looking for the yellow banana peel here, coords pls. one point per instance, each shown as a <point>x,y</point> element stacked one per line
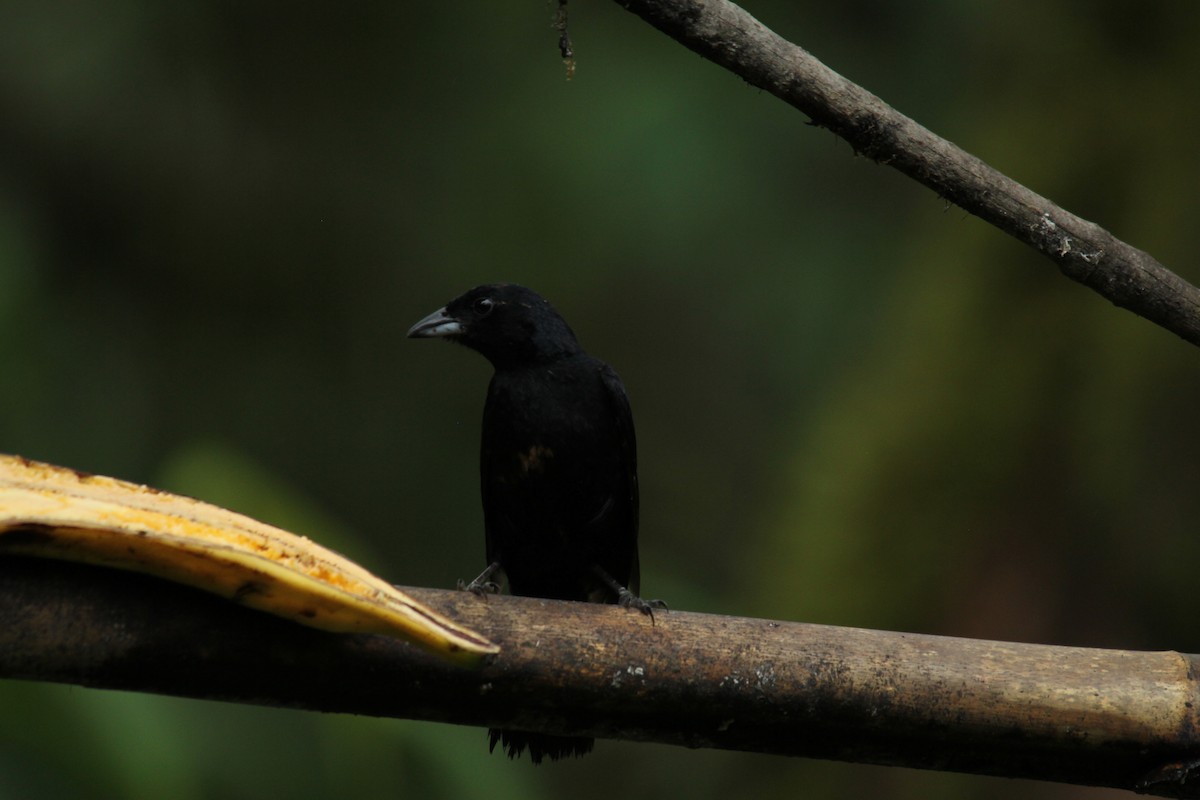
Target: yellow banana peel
<point>54,512</point>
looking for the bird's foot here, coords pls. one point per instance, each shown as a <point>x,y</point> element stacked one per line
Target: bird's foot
<point>627,599</point>
<point>478,587</point>
<point>483,585</point>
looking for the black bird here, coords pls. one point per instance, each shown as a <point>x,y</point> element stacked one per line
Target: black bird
<point>558,466</point>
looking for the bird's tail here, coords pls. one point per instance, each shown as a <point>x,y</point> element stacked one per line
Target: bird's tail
<point>540,745</point>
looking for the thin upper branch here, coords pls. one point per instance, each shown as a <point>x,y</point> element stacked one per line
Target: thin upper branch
<point>727,35</point>
<point>1099,717</point>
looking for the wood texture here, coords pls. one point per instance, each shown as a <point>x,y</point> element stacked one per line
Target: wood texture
<point>1085,252</point>
<point>1098,717</point>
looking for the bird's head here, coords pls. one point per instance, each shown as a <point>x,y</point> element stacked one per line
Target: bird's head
<point>507,324</point>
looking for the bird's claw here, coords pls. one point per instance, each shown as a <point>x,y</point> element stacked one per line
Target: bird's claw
<point>627,599</point>
<point>479,588</point>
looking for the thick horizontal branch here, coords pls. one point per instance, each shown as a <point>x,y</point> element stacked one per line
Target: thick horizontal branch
<point>729,36</point>
<point>1099,717</point>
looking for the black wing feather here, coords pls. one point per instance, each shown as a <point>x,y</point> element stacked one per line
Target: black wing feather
<point>622,414</point>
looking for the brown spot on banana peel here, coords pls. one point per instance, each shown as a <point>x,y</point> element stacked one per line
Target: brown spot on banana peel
<point>60,513</point>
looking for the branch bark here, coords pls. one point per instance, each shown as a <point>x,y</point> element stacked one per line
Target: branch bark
<point>1097,717</point>
<point>730,37</point>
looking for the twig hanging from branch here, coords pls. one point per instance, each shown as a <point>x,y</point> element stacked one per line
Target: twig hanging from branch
<point>729,36</point>
<point>564,38</point>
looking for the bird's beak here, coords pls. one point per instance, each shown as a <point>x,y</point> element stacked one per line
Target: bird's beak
<point>436,324</point>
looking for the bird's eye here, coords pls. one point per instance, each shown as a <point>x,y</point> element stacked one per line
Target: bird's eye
<point>483,306</point>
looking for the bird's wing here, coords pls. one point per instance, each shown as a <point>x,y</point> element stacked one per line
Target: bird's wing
<point>623,416</point>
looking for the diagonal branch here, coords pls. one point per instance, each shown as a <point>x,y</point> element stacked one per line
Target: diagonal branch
<point>1097,717</point>
<point>727,35</point>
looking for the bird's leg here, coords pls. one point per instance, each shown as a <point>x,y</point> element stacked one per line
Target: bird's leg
<point>484,583</point>
<point>626,598</point>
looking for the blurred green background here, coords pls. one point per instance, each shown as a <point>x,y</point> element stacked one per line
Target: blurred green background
<point>855,404</point>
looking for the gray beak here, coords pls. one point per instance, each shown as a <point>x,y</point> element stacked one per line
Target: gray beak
<point>436,324</point>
